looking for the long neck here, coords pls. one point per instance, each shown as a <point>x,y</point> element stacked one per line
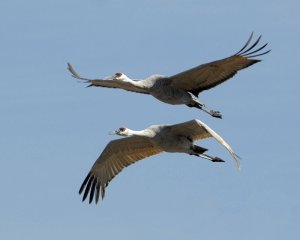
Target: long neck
<point>135,83</point>
<point>136,133</point>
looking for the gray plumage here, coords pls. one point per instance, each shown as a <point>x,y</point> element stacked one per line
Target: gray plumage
<point>184,88</point>
<point>142,144</point>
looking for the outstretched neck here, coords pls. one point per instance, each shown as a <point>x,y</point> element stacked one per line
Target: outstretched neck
<point>141,133</point>
<point>135,83</point>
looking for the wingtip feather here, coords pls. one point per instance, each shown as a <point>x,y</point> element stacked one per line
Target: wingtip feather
<point>87,189</point>
<point>246,44</point>
<point>245,52</point>
<point>237,159</point>
<point>84,183</point>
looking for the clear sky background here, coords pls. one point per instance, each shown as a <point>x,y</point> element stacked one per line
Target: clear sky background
<point>53,129</point>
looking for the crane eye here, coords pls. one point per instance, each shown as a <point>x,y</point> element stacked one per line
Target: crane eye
<point>122,129</point>
<point>118,74</point>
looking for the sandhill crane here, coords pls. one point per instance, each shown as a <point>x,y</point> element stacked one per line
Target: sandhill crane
<point>184,88</point>
<point>138,145</point>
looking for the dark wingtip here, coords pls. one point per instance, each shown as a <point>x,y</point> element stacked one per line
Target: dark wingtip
<point>260,54</point>
<point>245,52</point>
<point>70,68</point>
<point>92,191</point>
<point>102,192</point>
<point>84,183</point>
<point>91,85</point>
<point>253,45</point>
<point>253,61</point>
<point>97,192</point>
<point>246,44</point>
<point>87,189</point>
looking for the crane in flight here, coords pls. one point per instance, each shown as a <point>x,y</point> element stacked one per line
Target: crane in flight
<point>184,87</point>
<point>138,145</point>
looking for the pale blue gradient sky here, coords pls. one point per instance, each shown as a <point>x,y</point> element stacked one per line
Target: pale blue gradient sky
<point>53,129</point>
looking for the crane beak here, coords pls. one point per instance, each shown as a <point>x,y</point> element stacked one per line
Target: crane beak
<point>109,78</point>
<point>112,133</point>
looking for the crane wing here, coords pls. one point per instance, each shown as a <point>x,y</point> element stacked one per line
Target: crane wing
<point>190,129</point>
<point>109,83</point>
<point>197,130</point>
<point>209,75</point>
<point>117,155</point>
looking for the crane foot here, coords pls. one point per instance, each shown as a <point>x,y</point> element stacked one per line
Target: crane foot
<point>217,159</point>
<point>215,114</point>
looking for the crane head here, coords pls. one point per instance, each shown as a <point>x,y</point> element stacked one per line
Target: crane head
<point>121,132</point>
<point>120,76</point>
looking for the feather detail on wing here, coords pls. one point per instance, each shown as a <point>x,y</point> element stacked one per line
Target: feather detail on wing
<point>209,75</point>
<point>109,82</point>
<point>196,130</point>
<point>117,155</point>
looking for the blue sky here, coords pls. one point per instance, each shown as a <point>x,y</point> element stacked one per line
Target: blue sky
<point>53,129</point>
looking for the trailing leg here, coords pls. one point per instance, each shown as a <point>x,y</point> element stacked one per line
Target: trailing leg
<point>213,159</point>
<point>205,156</point>
<point>201,106</point>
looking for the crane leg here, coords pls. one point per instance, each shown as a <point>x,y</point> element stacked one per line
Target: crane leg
<point>213,113</point>
<point>213,159</point>
<point>201,106</point>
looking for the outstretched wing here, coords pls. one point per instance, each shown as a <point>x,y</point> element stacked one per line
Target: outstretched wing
<point>109,83</point>
<point>197,130</point>
<point>190,129</point>
<point>209,75</point>
<point>117,155</point>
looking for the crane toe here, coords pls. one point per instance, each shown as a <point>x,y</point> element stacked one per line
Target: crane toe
<point>215,114</point>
